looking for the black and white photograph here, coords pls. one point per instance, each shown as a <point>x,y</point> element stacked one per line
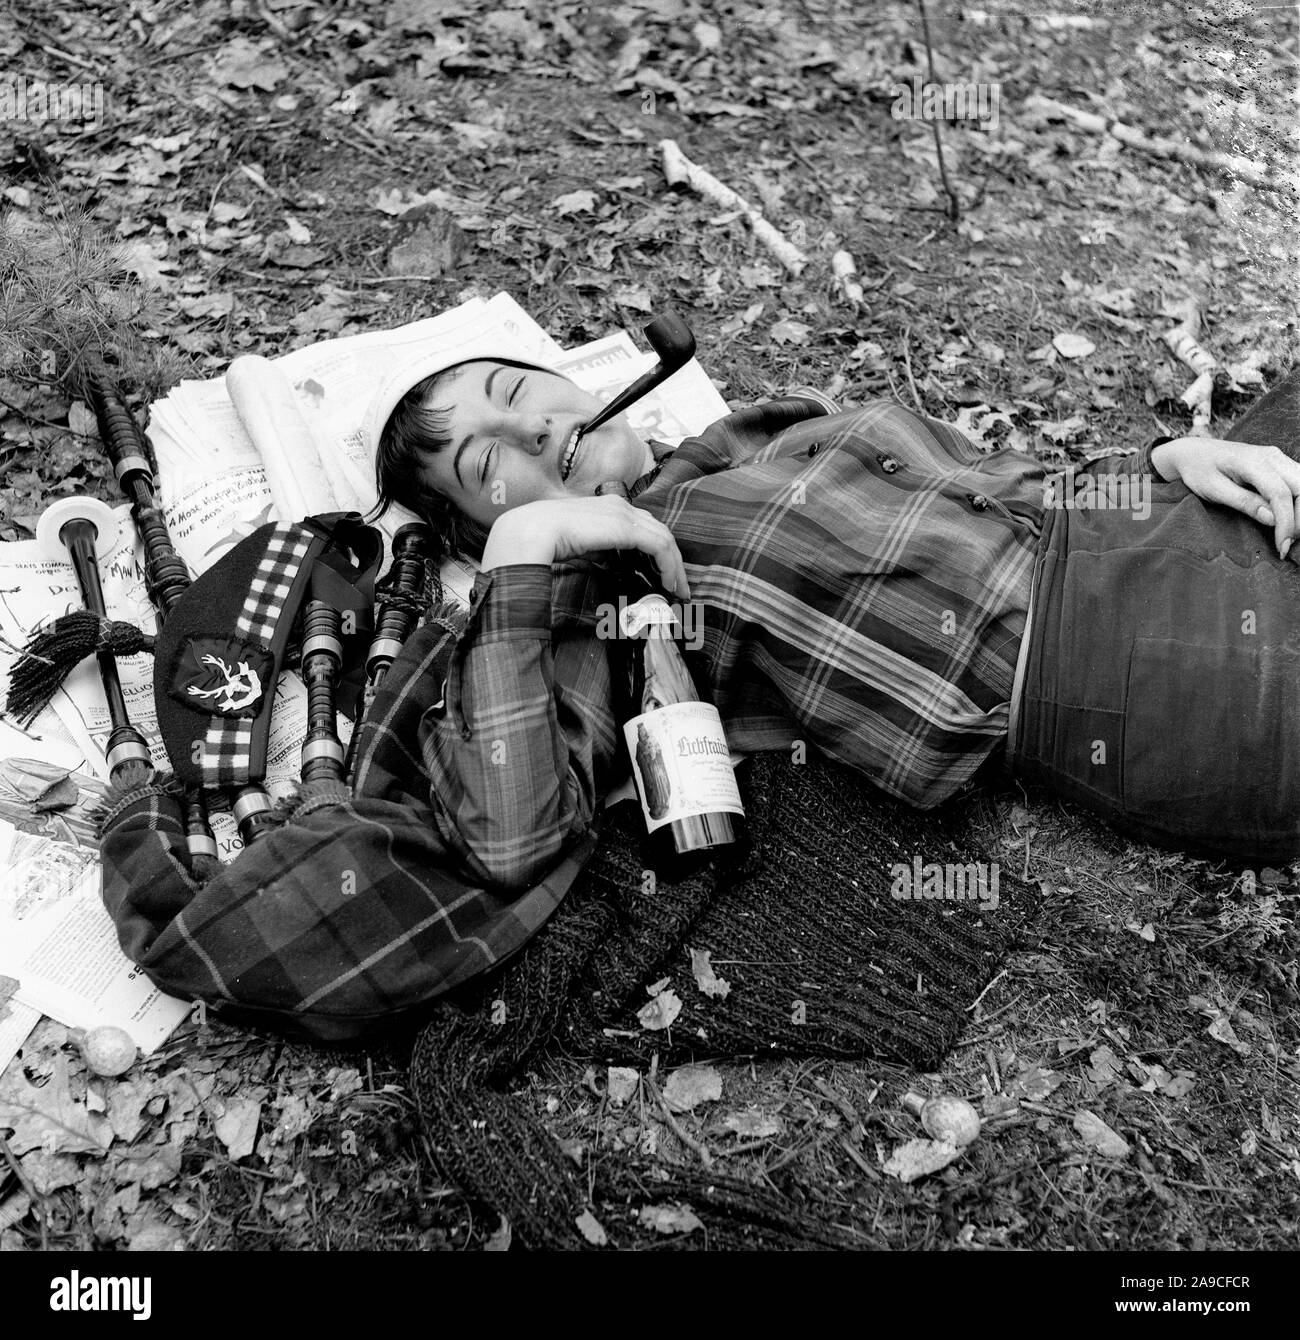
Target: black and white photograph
<point>652,627</point>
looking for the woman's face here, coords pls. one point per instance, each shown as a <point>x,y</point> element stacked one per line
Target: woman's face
<point>513,431</point>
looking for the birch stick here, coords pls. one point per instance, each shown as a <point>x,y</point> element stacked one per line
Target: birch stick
<point>679,169</point>
<point>1255,174</point>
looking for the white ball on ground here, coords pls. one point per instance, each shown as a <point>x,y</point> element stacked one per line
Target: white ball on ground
<point>109,1050</point>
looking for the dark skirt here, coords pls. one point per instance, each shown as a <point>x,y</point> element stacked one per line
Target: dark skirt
<point>1162,683</point>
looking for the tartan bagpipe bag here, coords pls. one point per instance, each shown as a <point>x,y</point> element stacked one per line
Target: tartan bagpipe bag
<point>348,915</point>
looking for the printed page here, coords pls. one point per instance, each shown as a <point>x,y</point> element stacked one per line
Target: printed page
<point>60,945</point>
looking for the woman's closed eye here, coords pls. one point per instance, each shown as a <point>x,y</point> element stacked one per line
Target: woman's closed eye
<point>514,391</point>
<point>483,469</point>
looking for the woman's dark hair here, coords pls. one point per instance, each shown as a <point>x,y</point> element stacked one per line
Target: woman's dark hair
<point>413,433</point>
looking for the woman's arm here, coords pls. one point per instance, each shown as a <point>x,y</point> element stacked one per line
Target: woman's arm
<point>510,750</point>
<point>1262,482</point>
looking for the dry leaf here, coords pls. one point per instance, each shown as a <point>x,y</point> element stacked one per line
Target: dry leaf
<point>241,65</point>
<point>1096,1133</point>
<point>1035,1084</point>
<point>692,1085</point>
<point>753,1124</point>
<point>1103,1067</point>
<point>669,1218</point>
<point>575,202</point>
<point>48,1117</point>
<point>621,1084</point>
<point>705,978</point>
<point>790,332</point>
<point>1070,344</point>
<point>236,1126</point>
<point>920,1158</point>
<point>501,1237</point>
<point>660,1012</point>
<point>590,1228</point>
<point>1221,1031</point>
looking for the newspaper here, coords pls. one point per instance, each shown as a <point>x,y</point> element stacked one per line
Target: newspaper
<point>60,946</point>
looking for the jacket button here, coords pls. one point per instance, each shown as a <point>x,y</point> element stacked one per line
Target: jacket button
<point>888,464</point>
<point>814,449</point>
<point>978,501</point>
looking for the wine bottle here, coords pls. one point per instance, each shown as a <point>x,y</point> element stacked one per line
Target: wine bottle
<point>681,765</point>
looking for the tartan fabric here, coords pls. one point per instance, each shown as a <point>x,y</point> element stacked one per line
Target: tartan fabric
<point>350,915</point>
<point>864,578</point>
<point>228,742</point>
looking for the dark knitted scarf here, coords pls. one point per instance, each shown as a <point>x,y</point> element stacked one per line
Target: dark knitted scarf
<point>808,919</point>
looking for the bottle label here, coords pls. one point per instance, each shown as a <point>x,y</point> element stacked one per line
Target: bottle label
<point>681,763</point>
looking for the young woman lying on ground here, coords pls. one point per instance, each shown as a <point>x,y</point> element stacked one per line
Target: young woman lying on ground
<point>873,585</point>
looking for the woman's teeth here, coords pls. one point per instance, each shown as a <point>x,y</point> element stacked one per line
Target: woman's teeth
<point>570,451</point>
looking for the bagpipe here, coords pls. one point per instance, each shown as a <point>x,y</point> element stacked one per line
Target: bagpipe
<point>345,909</point>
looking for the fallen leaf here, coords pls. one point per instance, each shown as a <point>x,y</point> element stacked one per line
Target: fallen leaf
<point>620,1084</point>
<point>236,1126</point>
<point>1103,1067</point>
<point>1035,1084</point>
<point>433,248</point>
<point>789,331</point>
<point>1099,1136</point>
<point>1221,1030</point>
<point>241,65</point>
<point>705,978</point>
<point>48,1117</point>
<point>575,202</point>
<point>920,1158</point>
<point>590,1228</point>
<point>1147,932</point>
<point>500,1239</point>
<point>1062,430</point>
<point>669,1219</point>
<point>1070,344</point>
<point>660,1012</point>
<point>753,1124</point>
<point>1179,1087</point>
<point>692,1085</point>
<point>298,258</point>
<point>48,1172</point>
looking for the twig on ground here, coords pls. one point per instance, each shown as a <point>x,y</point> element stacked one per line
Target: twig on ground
<point>1254,174</point>
<point>907,363</point>
<point>974,1004</point>
<point>679,169</point>
<point>676,1127</point>
<point>954,205</point>
<point>845,272</point>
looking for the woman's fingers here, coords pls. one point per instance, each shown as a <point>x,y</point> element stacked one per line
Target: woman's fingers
<point>1269,473</point>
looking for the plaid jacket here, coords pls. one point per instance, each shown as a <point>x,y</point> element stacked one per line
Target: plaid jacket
<point>863,579</point>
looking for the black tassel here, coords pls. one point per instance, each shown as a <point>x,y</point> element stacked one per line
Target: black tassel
<point>52,655</point>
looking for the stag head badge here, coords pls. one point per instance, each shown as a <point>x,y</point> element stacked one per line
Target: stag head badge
<point>222,675</point>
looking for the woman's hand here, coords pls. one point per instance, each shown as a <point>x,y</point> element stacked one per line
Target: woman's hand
<point>553,530</point>
<point>1262,482</point>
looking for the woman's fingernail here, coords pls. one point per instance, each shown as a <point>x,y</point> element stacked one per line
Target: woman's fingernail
<point>1265,516</point>
<point>1286,548</point>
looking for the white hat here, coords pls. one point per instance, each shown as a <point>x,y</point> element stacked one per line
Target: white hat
<point>411,369</point>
